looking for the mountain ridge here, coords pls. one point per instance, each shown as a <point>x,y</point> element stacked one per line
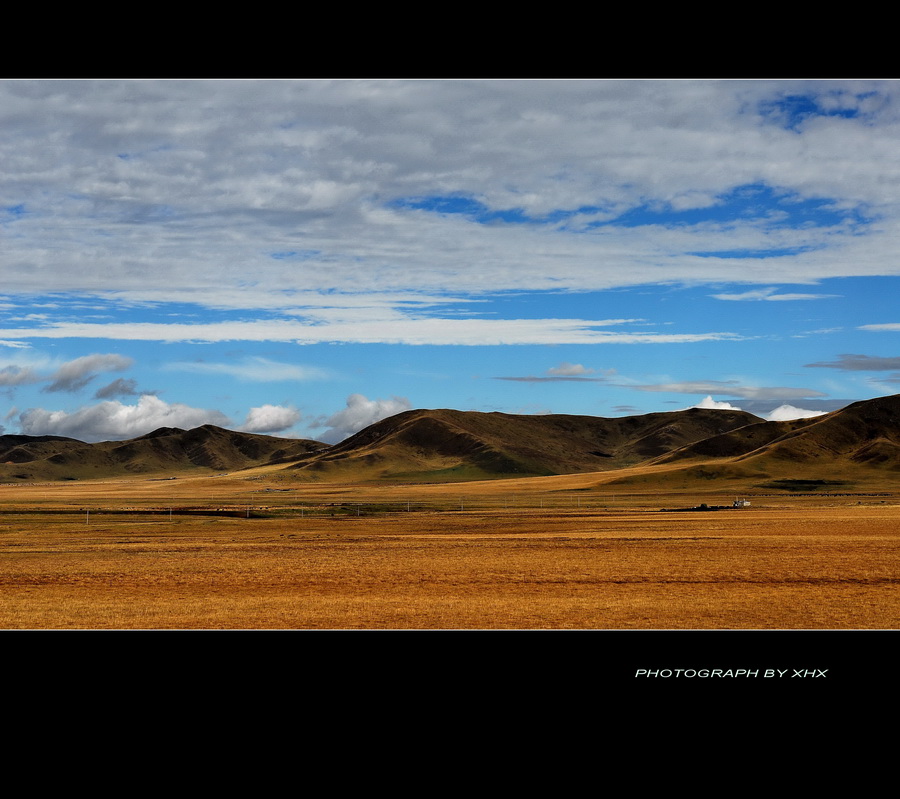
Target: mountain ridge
<point>848,433</point>
<point>450,445</point>
<point>447,443</point>
<point>165,449</point>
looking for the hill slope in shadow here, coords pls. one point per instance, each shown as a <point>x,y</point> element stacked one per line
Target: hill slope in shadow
<point>468,445</point>
<point>866,432</point>
<point>167,449</point>
<point>858,445</point>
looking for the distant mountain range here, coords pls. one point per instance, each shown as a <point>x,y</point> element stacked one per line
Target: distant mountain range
<point>441,445</point>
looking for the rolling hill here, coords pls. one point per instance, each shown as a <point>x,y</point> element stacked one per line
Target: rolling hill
<point>448,445</point>
<point>468,445</point>
<point>168,449</point>
<point>856,446</point>
<point>866,432</point>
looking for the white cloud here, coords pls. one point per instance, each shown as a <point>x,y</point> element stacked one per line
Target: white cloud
<point>112,420</point>
<point>270,419</point>
<point>252,369</point>
<point>254,189</point>
<point>786,413</point>
<point>769,295</point>
<point>783,413</point>
<point>414,331</point>
<point>360,413</point>
<point>566,369</point>
<point>789,297</point>
<point>709,402</point>
<point>888,326</point>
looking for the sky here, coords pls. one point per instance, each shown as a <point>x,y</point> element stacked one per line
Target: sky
<point>302,258</point>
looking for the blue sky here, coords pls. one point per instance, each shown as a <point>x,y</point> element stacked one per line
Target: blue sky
<point>303,258</point>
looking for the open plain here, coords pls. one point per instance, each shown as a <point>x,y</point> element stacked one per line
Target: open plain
<point>260,549</point>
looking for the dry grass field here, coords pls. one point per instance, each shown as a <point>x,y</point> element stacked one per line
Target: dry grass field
<point>570,552</point>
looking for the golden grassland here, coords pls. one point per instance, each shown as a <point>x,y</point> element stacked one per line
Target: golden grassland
<point>568,552</point>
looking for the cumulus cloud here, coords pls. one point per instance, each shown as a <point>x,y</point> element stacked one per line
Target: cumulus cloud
<point>270,419</point>
<point>360,413</point>
<point>762,408</point>
<point>709,402</point>
<point>787,413</point>
<point>113,420</point>
<point>76,374</point>
<point>783,413</point>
